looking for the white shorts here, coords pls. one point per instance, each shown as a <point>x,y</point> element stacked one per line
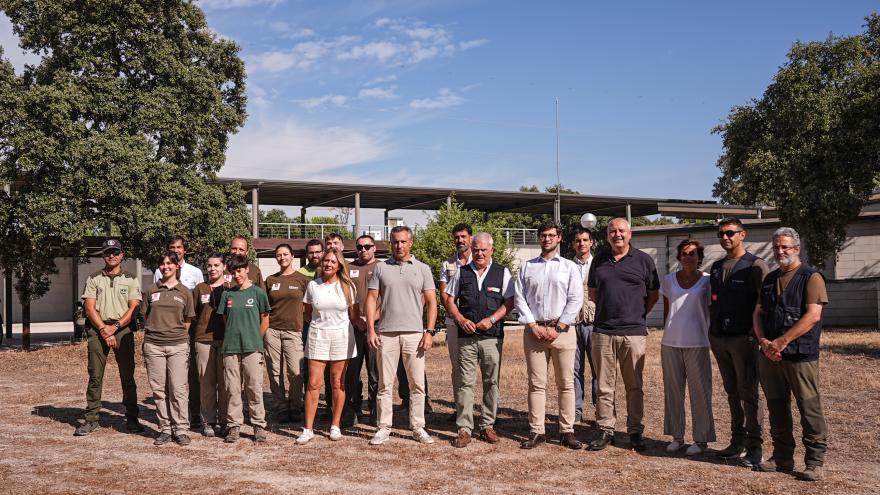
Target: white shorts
<point>331,344</point>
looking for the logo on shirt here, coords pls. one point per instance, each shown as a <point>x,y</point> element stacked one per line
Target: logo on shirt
<point>276,286</point>
<point>249,303</point>
<point>229,303</point>
<point>155,296</point>
<point>354,273</point>
<point>292,287</point>
<point>123,291</point>
<point>178,299</point>
<point>493,289</point>
<point>206,298</point>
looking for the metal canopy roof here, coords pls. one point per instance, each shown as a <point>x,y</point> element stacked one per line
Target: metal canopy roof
<point>325,194</point>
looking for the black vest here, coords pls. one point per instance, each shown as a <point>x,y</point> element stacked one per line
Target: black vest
<point>782,311</point>
<point>475,303</point>
<point>733,302</point>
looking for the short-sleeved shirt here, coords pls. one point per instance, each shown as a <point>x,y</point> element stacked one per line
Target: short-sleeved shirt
<point>621,289</point>
<point>360,275</point>
<point>759,269</point>
<point>329,305</point>
<point>400,285</point>
<point>168,309</point>
<point>209,325</point>
<point>254,275</point>
<point>243,308</point>
<point>112,292</point>
<point>308,271</point>
<point>817,292</point>
<point>188,275</point>
<point>687,324</point>
<point>286,298</point>
<point>448,269</point>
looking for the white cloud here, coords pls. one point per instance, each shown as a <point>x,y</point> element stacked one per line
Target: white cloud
<point>445,98</point>
<point>379,93</point>
<point>289,150</point>
<point>320,101</point>
<point>279,26</point>
<point>233,4</point>
<point>302,33</point>
<point>302,56</point>
<point>467,45</point>
<point>380,50</point>
<point>380,80</point>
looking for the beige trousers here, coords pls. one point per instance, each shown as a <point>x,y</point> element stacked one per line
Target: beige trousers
<point>247,369</point>
<point>209,363</point>
<point>167,370</point>
<point>284,360</point>
<point>627,352</point>
<point>539,354</point>
<point>393,344</point>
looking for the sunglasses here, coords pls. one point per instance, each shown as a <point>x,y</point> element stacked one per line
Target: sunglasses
<point>113,252</point>
<point>365,247</point>
<point>728,233</point>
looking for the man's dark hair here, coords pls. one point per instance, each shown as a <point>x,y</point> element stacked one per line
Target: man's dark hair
<point>462,226</point>
<point>175,238</point>
<point>331,236</point>
<point>235,262</point>
<point>171,255</point>
<point>731,221</point>
<point>314,242</point>
<point>283,245</point>
<point>366,236</point>
<point>547,225</point>
<point>402,228</point>
<point>580,230</point>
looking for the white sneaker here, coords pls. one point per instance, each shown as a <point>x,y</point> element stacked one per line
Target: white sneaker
<point>382,435</point>
<point>673,447</point>
<point>305,437</point>
<point>696,449</point>
<point>422,436</point>
<point>335,433</point>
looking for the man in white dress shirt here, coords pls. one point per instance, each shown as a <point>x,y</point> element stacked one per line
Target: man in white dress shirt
<point>549,297</point>
<point>189,275</point>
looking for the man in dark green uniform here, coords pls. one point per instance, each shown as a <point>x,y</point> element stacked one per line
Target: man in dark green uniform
<point>111,297</point>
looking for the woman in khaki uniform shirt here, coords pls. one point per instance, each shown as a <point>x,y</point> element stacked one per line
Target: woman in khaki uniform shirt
<point>169,310</point>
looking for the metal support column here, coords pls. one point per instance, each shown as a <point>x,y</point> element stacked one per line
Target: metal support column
<point>357,214</point>
<point>302,221</point>
<point>448,202</point>
<point>629,214</point>
<point>385,229</point>
<point>255,212</point>
<point>7,304</point>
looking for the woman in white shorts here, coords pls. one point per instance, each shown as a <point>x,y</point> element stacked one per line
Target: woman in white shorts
<point>330,304</point>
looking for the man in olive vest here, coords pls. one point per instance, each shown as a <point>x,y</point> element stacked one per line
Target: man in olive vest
<point>479,296</point>
<point>736,283</point>
<point>788,325</point>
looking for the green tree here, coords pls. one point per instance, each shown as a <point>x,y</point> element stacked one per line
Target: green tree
<point>811,144</point>
<point>117,130</point>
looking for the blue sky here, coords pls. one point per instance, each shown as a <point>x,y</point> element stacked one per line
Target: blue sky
<point>461,93</point>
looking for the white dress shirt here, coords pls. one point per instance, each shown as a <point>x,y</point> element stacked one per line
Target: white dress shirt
<point>190,276</point>
<point>549,289</point>
<point>584,267</point>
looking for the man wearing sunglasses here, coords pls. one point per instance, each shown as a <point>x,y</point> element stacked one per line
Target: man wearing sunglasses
<point>736,285</point>
<point>360,272</point>
<point>111,297</point>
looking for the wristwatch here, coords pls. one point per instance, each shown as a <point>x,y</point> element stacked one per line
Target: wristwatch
<point>561,327</point>
<point>430,332</point>
<point>492,319</point>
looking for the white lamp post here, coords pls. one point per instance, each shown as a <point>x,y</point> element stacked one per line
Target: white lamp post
<point>588,221</point>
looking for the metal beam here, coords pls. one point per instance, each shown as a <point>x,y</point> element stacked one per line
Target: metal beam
<point>331,200</point>
<point>357,214</point>
<point>255,212</point>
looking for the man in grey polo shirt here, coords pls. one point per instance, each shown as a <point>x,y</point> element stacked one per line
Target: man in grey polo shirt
<point>402,286</point>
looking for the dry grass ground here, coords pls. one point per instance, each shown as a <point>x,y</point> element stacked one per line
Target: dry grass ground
<point>42,395</point>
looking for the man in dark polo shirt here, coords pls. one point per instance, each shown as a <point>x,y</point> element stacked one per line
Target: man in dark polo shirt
<point>360,271</point>
<point>624,283</point>
<point>788,325</point>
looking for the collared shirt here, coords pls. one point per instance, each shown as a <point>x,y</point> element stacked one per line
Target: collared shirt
<point>308,271</point>
<point>112,292</point>
<point>360,274</point>
<point>584,267</point>
<point>588,310</point>
<point>401,285</point>
<point>549,290</point>
<point>448,269</point>
<point>622,287</point>
<point>507,289</point>
<point>190,276</point>
<point>167,311</point>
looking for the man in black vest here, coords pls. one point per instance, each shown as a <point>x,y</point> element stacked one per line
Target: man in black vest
<point>480,295</point>
<point>736,284</point>
<point>788,325</point>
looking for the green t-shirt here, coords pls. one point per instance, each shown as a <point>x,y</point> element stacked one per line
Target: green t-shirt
<point>242,308</point>
<point>308,271</point>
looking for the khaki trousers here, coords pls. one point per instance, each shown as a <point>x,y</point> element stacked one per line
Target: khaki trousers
<point>627,352</point>
<point>168,373</point>
<point>689,367</point>
<point>244,368</point>
<point>284,350</point>
<point>393,345</point>
<point>452,347</point>
<point>539,354</point>
<point>212,392</point>
<point>483,354</point>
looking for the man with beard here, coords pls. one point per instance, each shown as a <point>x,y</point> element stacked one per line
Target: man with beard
<point>788,325</point>
<point>461,236</point>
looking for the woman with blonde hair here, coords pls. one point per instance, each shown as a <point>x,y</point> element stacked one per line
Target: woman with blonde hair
<point>330,305</point>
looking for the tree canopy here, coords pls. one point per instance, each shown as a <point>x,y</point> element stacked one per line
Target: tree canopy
<point>811,144</point>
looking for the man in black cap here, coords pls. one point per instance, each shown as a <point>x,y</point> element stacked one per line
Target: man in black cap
<point>111,296</point>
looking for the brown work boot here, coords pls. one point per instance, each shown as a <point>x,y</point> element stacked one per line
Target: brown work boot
<point>260,434</point>
<point>488,435</point>
<point>462,440</point>
<point>568,439</point>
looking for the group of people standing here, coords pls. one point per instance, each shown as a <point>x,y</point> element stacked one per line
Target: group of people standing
<point>331,317</point>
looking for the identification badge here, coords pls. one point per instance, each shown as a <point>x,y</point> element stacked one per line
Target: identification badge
<point>354,273</point>
<point>227,279</point>
<point>493,289</point>
<point>206,298</point>
<point>155,296</point>
<point>229,303</point>
<point>276,286</point>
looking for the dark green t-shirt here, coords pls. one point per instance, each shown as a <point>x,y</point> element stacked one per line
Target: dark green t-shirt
<point>242,308</point>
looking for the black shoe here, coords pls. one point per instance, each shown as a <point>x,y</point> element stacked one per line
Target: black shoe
<point>132,425</point>
<point>568,439</point>
<point>732,451</point>
<point>753,457</point>
<point>196,424</point>
<point>605,438</point>
<point>534,440</point>
<point>637,442</point>
<point>183,439</point>
<point>86,428</point>
<point>162,439</point>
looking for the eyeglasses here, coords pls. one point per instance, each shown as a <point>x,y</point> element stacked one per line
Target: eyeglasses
<point>365,247</point>
<point>114,252</point>
<point>728,233</point>
<point>784,249</point>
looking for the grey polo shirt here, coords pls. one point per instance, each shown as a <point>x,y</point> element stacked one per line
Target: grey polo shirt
<point>400,286</point>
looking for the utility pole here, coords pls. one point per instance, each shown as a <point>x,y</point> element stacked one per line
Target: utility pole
<point>557,205</point>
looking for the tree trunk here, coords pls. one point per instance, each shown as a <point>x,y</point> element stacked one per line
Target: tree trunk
<point>26,326</point>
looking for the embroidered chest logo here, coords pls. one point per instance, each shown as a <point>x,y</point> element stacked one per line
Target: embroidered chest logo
<point>276,286</point>
<point>179,299</point>
<point>206,298</point>
<point>249,303</point>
